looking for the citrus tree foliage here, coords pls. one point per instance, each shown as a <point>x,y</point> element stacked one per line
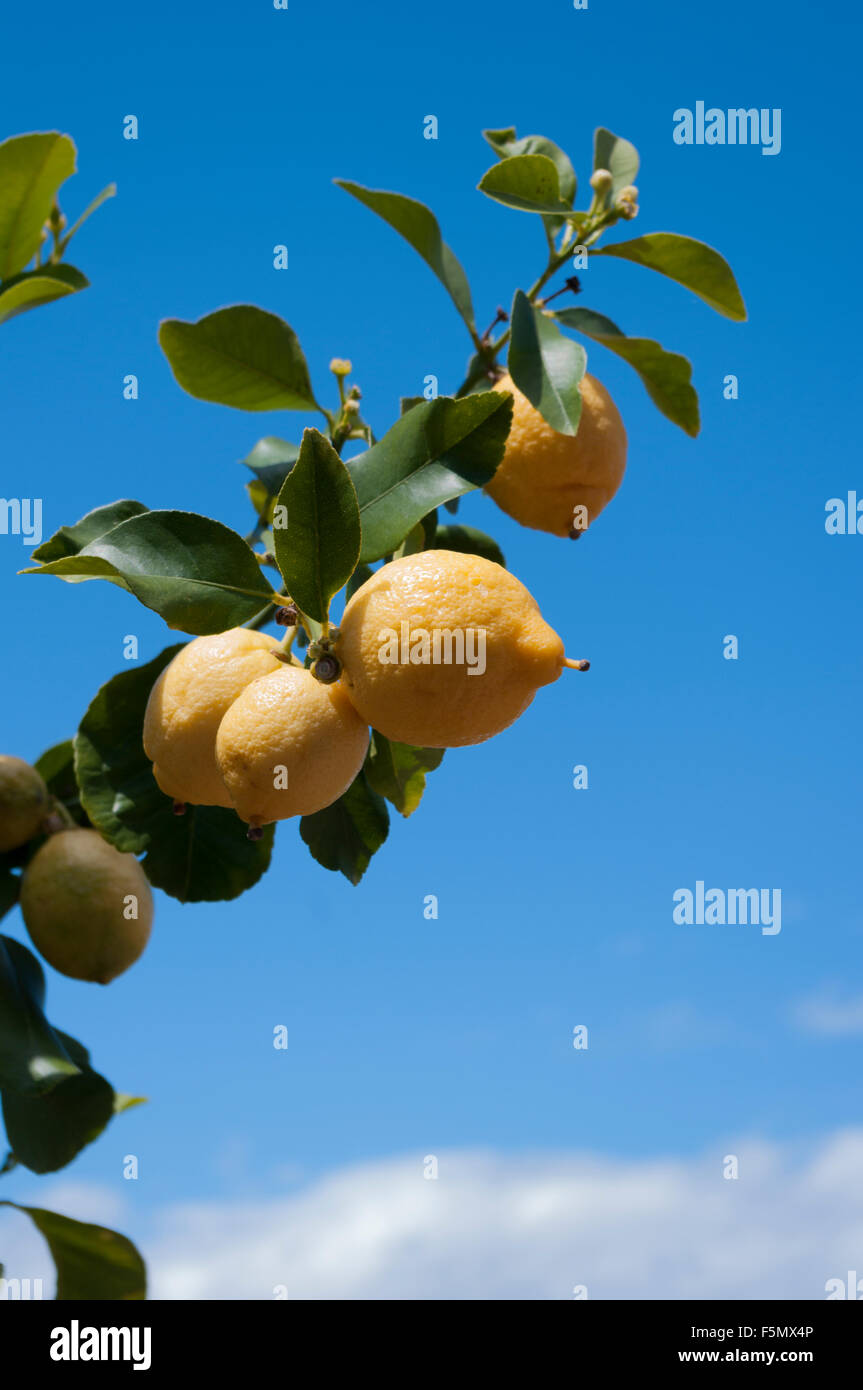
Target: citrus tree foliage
<point>353,501</point>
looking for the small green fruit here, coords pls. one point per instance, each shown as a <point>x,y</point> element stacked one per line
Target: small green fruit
<point>88,908</point>
<point>24,802</point>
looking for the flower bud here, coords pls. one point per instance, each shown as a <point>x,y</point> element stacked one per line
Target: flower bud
<point>601,181</point>
<point>629,194</point>
<point>340,367</point>
<point>627,211</point>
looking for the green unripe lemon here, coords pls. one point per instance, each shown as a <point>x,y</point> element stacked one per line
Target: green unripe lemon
<point>88,908</point>
<point>24,802</point>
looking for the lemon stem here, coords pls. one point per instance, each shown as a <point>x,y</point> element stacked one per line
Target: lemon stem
<point>576,665</point>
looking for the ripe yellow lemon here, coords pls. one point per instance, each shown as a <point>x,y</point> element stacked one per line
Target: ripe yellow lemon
<point>24,802</point>
<point>289,745</point>
<point>443,649</point>
<point>559,482</point>
<point>88,908</point>
<point>186,706</point>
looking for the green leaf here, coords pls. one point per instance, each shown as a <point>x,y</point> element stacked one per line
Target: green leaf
<point>414,542</point>
<point>528,182</point>
<point>437,451</point>
<point>199,575</point>
<point>32,168</point>
<point>618,156</point>
<point>397,771</point>
<point>271,461</point>
<point>505,145</point>
<point>241,356</point>
<point>56,766</point>
<point>419,227</point>
<point>357,579</point>
<point>202,856</point>
<point>319,545</point>
<point>33,1058</point>
<point>92,1262</point>
<point>666,375</point>
<point>690,263</point>
<point>545,366</point>
<point>109,191</point>
<point>33,288</point>
<point>344,836</point>
<point>469,541</point>
<point>46,1132</point>
<point>69,540</point>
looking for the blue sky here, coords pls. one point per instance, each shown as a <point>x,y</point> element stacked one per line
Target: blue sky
<point>407,1036</point>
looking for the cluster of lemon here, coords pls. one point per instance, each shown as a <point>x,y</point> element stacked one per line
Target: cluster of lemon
<point>88,908</point>
<point>231,723</point>
<point>236,721</point>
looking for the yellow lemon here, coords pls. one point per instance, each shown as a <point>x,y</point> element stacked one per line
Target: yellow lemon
<point>24,802</point>
<point>289,745</point>
<point>88,908</point>
<point>559,482</point>
<point>442,649</point>
<point>186,706</point>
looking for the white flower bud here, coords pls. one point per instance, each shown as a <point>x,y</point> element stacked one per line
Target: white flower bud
<point>601,181</point>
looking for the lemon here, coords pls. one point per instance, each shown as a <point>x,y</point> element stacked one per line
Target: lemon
<point>559,482</point>
<point>186,706</point>
<point>88,908</point>
<point>24,802</point>
<point>289,745</point>
<point>443,649</point>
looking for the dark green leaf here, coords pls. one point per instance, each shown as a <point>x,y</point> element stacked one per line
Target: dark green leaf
<point>33,1058</point>
<point>545,366</point>
<point>57,767</point>
<point>357,579</point>
<point>419,227</point>
<point>413,543</point>
<point>48,1131</point>
<point>469,541</point>
<point>92,1262</point>
<point>618,156</point>
<point>32,168</point>
<point>528,182</point>
<point>241,356</point>
<point>505,145</point>
<point>203,856</point>
<point>407,403</point>
<point>438,450</point>
<point>397,771</point>
<point>318,545</point>
<point>69,540</point>
<point>344,836</point>
<point>33,288</point>
<point>199,575</point>
<point>666,375</point>
<point>476,377</point>
<point>271,461</point>
<point>690,263</point>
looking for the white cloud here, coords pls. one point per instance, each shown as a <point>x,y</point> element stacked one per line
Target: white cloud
<point>502,1227</point>
<point>828,1014</point>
